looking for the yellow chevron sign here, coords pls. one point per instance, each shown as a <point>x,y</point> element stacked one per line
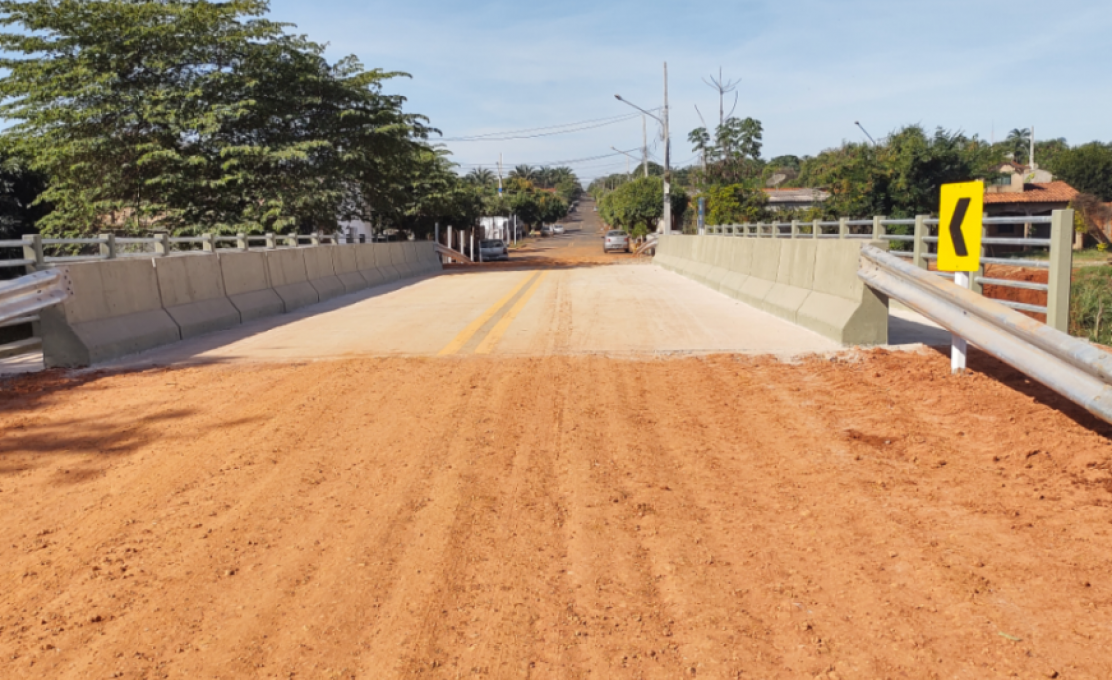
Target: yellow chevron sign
<point>959,229</point>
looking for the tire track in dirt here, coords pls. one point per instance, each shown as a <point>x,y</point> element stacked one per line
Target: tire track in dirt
<point>554,517</point>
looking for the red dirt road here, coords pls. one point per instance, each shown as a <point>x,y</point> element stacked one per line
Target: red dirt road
<point>564,517</point>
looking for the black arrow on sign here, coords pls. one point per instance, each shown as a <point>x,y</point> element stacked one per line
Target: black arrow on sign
<point>955,228</point>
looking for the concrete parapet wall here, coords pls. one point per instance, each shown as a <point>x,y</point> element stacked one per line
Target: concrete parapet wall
<point>115,309</point>
<point>321,273</point>
<point>397,259</point>
<point>426,254</point>
<point>247,285</point>
<point>384,260</point>
<point>345,261</point>
<point>192,291</point>
<point>368,267</point>
<point>289,278</point>
<point>810,282</point>
<point>123,306</point>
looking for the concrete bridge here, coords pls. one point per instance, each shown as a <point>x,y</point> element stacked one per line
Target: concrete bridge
<point>557,295</point>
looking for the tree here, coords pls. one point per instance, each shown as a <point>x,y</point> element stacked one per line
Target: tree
<point>20,189</point>
<point>736,204</point>
<point>636,206</point>
<point>1018,144</point>
<point>481,177</point>
<point>899,178</point>
<point>1087,168</point>
<point>525,172</point>
<point>738,139</point>
<point>195,116</point>
<point>700,142</point>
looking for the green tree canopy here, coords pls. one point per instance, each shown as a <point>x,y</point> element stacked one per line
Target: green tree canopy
<point>195,116</point>
<point>1087,168</point>
<point>636,206</point>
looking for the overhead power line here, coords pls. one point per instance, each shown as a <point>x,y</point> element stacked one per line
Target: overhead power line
<point>572,161</point>
<point>531,133</point>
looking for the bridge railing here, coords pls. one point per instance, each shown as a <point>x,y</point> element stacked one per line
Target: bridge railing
<point>920,246</point>
<point>37,249</point>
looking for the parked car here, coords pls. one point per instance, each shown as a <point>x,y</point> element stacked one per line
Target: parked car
<point>615,240</point>
<point>493,249</point>
<point>557,229</point>
<point>546,230</point>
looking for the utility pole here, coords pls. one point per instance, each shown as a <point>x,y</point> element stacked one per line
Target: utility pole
<point>499,174</point>
<point>667,226</point>
<point>1031,155</point>
<point>645,143</point>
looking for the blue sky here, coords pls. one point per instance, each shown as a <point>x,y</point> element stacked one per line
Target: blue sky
<point>808,69</point>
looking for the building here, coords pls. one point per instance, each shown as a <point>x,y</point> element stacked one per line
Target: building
<point>794,199</point>
<point>1025,192</point>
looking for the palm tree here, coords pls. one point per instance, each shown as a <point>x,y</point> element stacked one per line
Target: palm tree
<point>562,173</point>
<point>1019,141</point>
<point>525,172</point>
<point>480,177</point>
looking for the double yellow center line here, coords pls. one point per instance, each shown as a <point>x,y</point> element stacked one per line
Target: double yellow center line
<point>486,346</point>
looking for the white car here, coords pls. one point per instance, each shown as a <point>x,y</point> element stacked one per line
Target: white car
<point>557,229</point>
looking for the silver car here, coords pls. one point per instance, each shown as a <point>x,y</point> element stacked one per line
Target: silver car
<point>615,240</point>
<point>493,249</point>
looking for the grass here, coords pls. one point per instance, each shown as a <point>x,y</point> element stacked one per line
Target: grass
<point>1091,304</point>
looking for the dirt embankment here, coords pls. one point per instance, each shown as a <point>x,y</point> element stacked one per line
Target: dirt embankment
<point>566,517</point>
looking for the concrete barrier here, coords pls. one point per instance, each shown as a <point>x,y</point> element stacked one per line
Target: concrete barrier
<point>192,291</point>
<point>368,269</point>
<point>739,262</point>
<point>397,258</point>
<point>841,306</point>
<point>289,278</point>
<point>115,310</point>
<point>247,285</point>
<point>320,272</point>
<point>384,260</point>
<point>810,282</point>
<point>345,261</point>
<point>426,254</point>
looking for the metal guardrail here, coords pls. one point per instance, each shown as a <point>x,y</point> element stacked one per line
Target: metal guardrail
<point>1069,366</point>
<point>649,243</point>
<point>21,298</point>
<point>452,254</point>
<point>1059,246</point>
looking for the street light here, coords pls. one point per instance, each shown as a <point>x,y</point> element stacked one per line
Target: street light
<point>667,227</point>
<point>858,124</point>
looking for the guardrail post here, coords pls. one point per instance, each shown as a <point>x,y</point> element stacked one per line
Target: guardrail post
<point>32,250</point>
<point>775,230</point>
<point>919,246</point>
<point>816,230</point>
<point>107,246</point>
<point>241,241</point>
<point>271,241</point>
<point>162,244</point>
<point>843,227</point>
<point>878,227</point>
<point>795,228</point>
<point>975,283</point>
<point>1061,270</point>
<point>314,238</point>
<point>291,240</point>
<point>208,243</point>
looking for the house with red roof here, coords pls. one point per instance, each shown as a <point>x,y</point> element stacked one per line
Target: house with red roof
<point>1028,192</point>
